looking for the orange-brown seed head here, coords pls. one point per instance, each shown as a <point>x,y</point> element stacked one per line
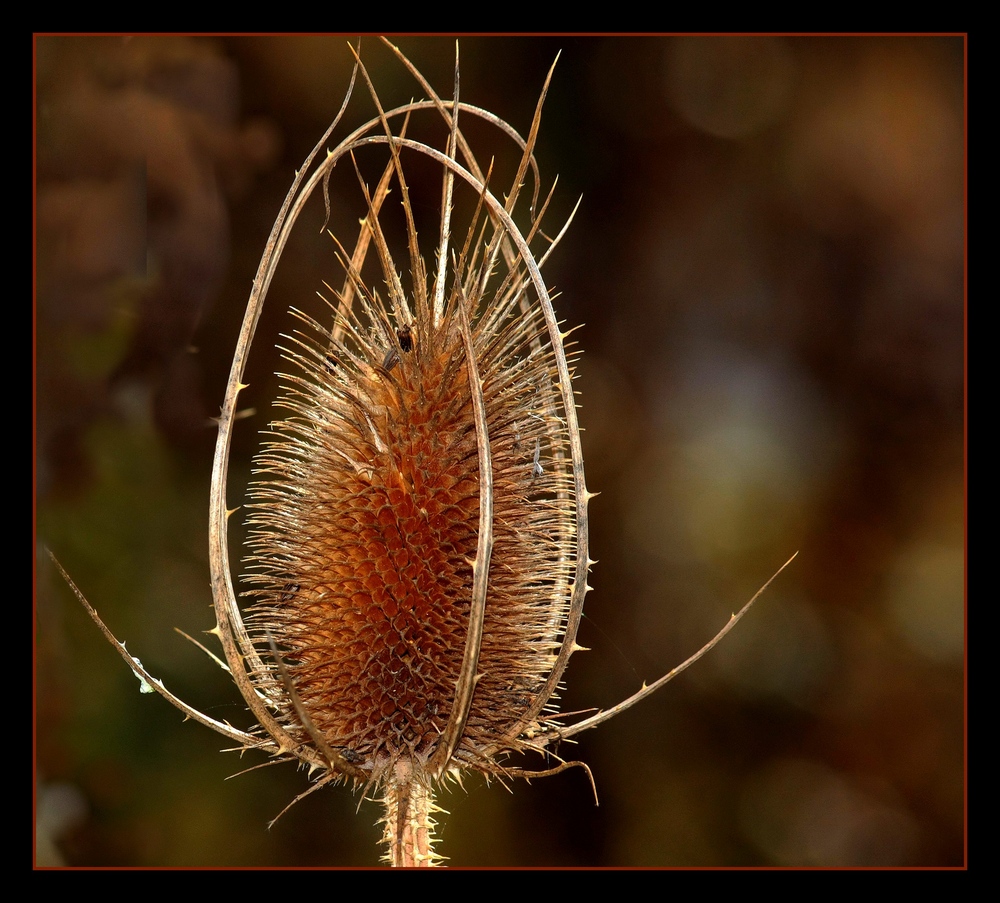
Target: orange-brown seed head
<point>366,530</point>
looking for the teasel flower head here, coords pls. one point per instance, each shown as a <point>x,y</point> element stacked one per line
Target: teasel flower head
<point>418,524</point>
<point>418,550</point>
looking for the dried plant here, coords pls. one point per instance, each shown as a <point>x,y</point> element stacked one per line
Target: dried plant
<point>418,555</point>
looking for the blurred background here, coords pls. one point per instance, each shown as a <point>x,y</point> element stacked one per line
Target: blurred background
<point>768,266</point>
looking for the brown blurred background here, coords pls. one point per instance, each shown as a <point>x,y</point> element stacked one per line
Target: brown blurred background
<point>768,263</point>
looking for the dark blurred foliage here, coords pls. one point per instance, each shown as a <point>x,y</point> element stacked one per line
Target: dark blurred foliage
<point>768,263</point>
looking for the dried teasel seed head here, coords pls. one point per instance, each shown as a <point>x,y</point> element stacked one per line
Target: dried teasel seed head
<point>365,527</point>
<point>418,543</point>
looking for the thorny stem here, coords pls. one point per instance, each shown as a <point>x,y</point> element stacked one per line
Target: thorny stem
<point>409,826</point>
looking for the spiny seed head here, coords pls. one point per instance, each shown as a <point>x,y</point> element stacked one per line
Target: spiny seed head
<point>417,556</point>
<point>366,524</point>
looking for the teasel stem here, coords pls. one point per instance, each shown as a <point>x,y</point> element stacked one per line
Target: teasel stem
<point>409,823</point>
